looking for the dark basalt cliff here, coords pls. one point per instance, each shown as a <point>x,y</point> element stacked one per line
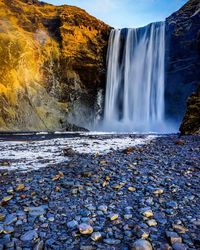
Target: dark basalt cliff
<point>52,65</point>
<point>191,121</point>
<point>183,57</point>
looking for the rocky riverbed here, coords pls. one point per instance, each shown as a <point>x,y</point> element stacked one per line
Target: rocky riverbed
<point>101,192</point>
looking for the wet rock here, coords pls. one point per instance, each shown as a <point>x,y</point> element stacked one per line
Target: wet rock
<point>141,245</point>
<point>113,216</point>
<point>68,152</point>
<point>8,229</point>
<point>29,236</point>
<point>35,211</point>
<point>2,216</point>
<point>20,187</point>
<point>179,246</point>
<point>72,224</point>
<point>97,236</point>
<point>131,189</point>
<point>128,150</point>
<point>147,212</point>
<point>152,223</point>
<point>172,204</point>
<point>10,219</point>
<point>180,229</point>
<point>173,237</point>
<point>112,241</point>
<point>103,208</point>
<point>128,216</point>
<point>142,233</point>
<point>39,245</point>
<point>158,191</point>
<point>165,247</point>
<point>85,228</point>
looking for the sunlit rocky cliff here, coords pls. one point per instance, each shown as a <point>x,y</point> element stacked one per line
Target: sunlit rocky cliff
<point>52,65</point>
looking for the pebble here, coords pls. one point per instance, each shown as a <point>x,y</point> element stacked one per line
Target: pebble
<point>141,245</point>
<point>128,216</point>
<point>103,208</point>
<point>173,237</point>
<point>8,229</point>
<point>72,224</point>
<point>96,236</point>
<point>112,241</point>
<point>131,189</point>
<point>85,228</point>
<point>10,219</point>
<point>172,204</point>
<point>113,217</point>
<point>152,223</point>
<point>39,245</point>
<point>29,236</point>
<point>158,191</point>
<point>179,246</point>
<point>2,216</point>
<point>35,211</point>
<point>147,212</point>
<point>20,187</point>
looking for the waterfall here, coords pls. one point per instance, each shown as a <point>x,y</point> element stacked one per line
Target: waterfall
<point>135,80</point>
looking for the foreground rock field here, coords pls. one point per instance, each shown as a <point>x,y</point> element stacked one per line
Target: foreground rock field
<point>145,196</point>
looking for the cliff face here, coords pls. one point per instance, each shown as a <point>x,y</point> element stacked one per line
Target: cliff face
<point>52,64</point>
<point>183,57</point>
<point>191,121</point>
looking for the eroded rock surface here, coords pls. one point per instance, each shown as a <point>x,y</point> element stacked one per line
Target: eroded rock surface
<point>52,64</point>
<point>191,121</point>
<point>182,58</point>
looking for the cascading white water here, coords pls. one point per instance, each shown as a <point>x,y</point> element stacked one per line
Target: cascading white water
<point>135,80</point>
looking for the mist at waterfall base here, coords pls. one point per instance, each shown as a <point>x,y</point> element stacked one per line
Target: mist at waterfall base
<point>135,90</point>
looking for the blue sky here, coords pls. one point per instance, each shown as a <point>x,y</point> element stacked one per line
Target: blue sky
<point>126,13</point>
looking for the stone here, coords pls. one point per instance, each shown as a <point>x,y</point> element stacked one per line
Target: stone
<point>87,247</point>
<point>128,216</point>
<point>2,216</point>
<point>72,224</point>
<point>172,204</point>
<point>1,229</point>
<point>158,191</point>
<point>103,208</point>
<point>180,229</point>
<point>112,241</point>
<point>152,223</point>
<point>128,150</point>
<point>131,189</point>
<point>147,212</point>
<point>35,211</point>
<point>29,236</point>
<point>7,198</point>
<point>20,187</point>
<point>8,229</point>
<point>165,247</point>
<point>39,245</point>
<point>173,237</point>
<point>142,233</point>
<point>96,236</point>
<point>85,228</point>
<point>10,219</point>
<point>179,246</point>
<point>141,245</point>
<point>113,217</point>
